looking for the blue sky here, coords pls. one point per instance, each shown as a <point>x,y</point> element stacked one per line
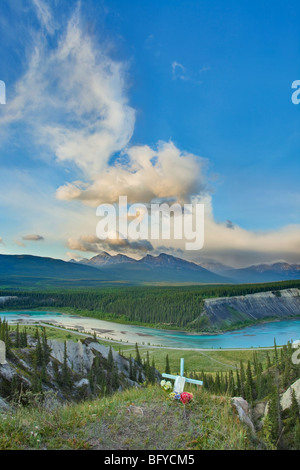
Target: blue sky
<point>212,78</point>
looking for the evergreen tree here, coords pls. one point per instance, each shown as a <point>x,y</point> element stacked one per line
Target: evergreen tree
<point>274,416</point>
<point>294,408</point>
<point>238,383</point>
<point>297,435</point>
<point>46,350</point>
<point>138,356</point>
<point>65,373</point>
<point>275,353</point>
<point>148,368</point>
<point>249,387</point>
<point>38,349</point>
<point>243,379</point>
<point>130,368</point>
<point>167,368</point>
<point>110,360</point>
<point>18,341</point>
<point>269,364</point>
<point>23,338</point>
<point>152,372</point>
<point>231,385</point>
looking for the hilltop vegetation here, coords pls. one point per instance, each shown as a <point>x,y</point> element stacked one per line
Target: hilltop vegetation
<point>50,410</point>
<point>136,419</point>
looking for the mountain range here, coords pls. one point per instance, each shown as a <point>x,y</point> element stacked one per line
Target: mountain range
<point>161,268</point>
<point>105,269</point>
<point>279,271</point>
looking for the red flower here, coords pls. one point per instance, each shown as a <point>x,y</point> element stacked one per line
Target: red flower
<point>186,397</point>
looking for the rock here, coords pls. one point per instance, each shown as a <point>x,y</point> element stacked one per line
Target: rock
<point>3,405</point>
<point>286,399</point>
<point>135,410</point>
<point>259,306</point>
<point>2,353</point>
<point>79,356</point>
<point>243,410</point>
<point>82,382</point>
<point>259,411</point>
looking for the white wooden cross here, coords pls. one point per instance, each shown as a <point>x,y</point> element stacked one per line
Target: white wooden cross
<point>180,379</point>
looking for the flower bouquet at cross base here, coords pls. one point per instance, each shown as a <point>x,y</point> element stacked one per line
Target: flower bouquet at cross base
<point>166,385</point>
<point>184,397</point>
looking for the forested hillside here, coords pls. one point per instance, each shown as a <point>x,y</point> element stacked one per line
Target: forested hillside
<point>175,307</point>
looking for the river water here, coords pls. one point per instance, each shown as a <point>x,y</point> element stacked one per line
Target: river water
<point>262,335</point>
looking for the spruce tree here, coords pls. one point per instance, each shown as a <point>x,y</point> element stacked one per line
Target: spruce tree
<point>274,416</point>
<point>130,368</point>
<point>38,349</point>
<point>66,378</point>
<point>110,360</point>
<point>249,388</point>
<point>46,350</point>
<point>138,356</point>
<point>18,340</point>
<point>243,379</point>
<point>294,408</point>
<point>167,369</point>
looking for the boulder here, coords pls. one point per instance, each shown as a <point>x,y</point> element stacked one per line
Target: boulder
<point>4,406</point>
<point>243,410</point>
<point>286,399</point>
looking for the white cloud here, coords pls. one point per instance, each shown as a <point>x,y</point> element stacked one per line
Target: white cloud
<point>92,244</point>
<point>44,15</point>
<point>73,101</point>
<point>178,71</point>
<point>19,243</point>
<point>148,174</point>
<point>33,238</point>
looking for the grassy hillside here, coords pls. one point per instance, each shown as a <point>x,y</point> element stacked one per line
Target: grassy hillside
<point>144,417</point>
<point>136,419</point>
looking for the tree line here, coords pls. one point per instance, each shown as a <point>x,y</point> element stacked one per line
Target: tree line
<point>175,307</point>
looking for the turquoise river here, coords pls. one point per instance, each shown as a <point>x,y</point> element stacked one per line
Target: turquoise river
<point>260,335</point>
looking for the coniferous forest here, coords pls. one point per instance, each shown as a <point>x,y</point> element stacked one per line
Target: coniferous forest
<point>175,307</point>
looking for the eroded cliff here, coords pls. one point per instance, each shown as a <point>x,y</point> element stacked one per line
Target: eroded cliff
<point>225,312</point>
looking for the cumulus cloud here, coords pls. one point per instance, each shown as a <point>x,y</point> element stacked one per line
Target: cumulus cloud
<point>163,173</point>
<point>78,110</point>
<point>33,238</point>
<point>92,244</point>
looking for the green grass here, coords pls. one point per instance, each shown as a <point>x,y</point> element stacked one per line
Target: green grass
<point>136,419</point>
<point>197,361</point>
<point>52,333</point>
